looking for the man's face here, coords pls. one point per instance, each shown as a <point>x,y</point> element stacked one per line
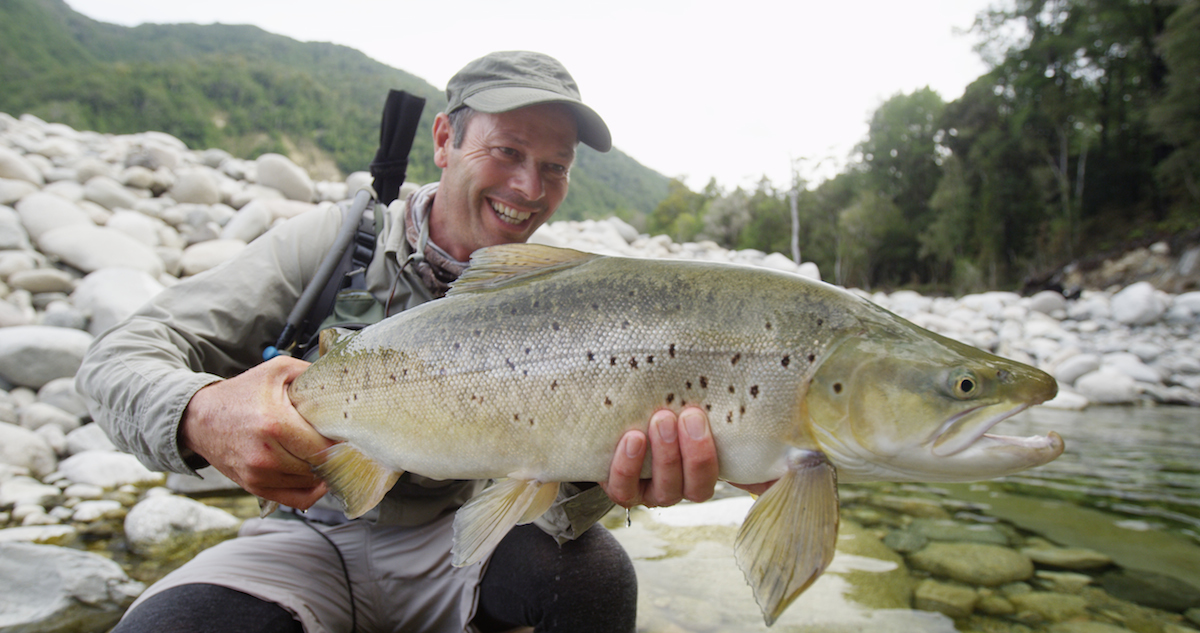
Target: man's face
<point>506,180</point>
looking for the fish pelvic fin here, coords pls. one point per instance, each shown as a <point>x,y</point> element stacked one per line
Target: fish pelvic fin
<point>484,520</point>
<point>789,535</point>
<point>358,481</point>
<point>497,266</point>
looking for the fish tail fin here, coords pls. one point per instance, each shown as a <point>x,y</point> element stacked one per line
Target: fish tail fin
<point>358,481</point>
<point>789,535</point>
<point>484,520</point>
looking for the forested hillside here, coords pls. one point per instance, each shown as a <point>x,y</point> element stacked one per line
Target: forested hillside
<point>249,92</point>
<point>1084,136</point>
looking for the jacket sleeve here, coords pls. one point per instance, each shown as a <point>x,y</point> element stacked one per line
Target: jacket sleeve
<point>141,374</point>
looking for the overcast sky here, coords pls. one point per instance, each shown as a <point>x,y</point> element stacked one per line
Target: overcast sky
<point>690,88</point>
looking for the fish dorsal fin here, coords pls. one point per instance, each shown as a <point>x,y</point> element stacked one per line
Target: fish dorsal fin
<point>497,266</point>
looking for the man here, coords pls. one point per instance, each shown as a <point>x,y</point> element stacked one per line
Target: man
<point>178,385</point>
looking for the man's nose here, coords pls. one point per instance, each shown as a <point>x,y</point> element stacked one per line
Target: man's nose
<point>527,181</point>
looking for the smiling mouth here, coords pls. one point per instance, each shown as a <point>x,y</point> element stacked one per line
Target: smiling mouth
<point>508,214</point>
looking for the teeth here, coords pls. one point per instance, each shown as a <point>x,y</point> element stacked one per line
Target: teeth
<point>509,214</point>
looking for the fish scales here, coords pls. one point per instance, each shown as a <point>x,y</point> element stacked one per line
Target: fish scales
<point>540,359</point>
<point>544,373</point>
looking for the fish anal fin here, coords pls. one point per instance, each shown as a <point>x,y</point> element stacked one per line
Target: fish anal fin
<point>358,481</point>
<point>790,533</point>
<point>484,520</point>
<point>497,266</point>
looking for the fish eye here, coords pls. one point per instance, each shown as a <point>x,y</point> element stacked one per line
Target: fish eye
<point>965,386</point>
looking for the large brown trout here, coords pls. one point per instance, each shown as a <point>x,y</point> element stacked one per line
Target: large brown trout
<point>539,359</point>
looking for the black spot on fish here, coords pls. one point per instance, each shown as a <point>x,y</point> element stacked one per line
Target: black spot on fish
<point>742,410</point>
<point>516,417</point>
<point>345,370</point>
<point>837,387</point>
<point>820,322</point>
<point>754,390</point>
<point>607,402</point>
<point>735,359</point>
<point>729,418</point>
<point>478,332</point>
<point>535,303</point>
<point>650,359</point>
<point>554,385</point>
<point>525,372</point>
<point>405,373</point>
<point>787,360</point>
<point>624,325</point>
<point>633,362</point>
<point>612,361</point>
<point>670,398</point>
<point>457,346</point>
<point>595,306</point>
<point>345,415</point>
<point>513,311</point>
<point>671,350</point>
<point>591,356</point>
<point>527,350</point>
<point>768,325</point>
<point>708,407</point>
<point>356,396</point>
<point>689,384</point>
<point>812,358</point>
<point>731,390</point>
<point>530,421</point>
<point>703,382</point>
<point>555,326</point>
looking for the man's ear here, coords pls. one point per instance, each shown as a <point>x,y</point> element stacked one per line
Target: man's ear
<point>443,139</point>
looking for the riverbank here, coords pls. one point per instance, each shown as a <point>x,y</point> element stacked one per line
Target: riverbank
<point>92,225</point>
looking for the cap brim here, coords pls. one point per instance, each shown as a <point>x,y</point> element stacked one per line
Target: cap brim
<point>592,129</point>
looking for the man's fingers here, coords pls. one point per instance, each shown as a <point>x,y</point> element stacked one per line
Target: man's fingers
<point>700,468</point>
<point>623,485</point>
<point>666,476</point>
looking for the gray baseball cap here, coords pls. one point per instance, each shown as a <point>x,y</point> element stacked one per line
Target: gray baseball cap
<point>508,80</point>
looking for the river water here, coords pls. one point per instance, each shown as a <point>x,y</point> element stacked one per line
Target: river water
<point>1142,463</point>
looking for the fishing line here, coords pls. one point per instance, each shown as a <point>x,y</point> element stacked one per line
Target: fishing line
<point>345,572</point>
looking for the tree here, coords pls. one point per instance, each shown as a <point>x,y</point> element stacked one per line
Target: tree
<point>900,157</point>
<point>1177,114</point>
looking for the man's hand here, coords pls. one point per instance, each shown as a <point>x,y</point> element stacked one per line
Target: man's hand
<point>248,429</point>
<point>684,462</point>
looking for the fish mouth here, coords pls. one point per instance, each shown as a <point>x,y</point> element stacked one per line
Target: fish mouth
<point>966,429</point>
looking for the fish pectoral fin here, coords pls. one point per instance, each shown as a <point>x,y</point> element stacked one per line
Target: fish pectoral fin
<point>790,532</point>
<point>496,266</point>
<point>484,520</point>
<point>358,481</point>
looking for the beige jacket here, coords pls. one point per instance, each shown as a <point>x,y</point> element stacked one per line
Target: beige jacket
<point>142,373</point>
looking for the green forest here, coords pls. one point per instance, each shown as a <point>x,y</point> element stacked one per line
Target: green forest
<point>247,91</point>
<point>1083,137</point>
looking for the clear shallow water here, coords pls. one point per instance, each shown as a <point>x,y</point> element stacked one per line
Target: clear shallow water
<point>1139,462</point>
